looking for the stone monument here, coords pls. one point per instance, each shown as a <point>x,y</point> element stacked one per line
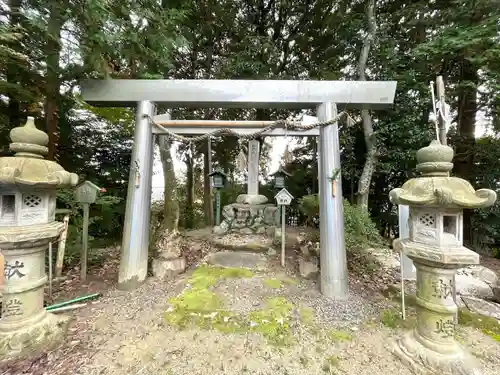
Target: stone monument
<point>251,214</point>
<point>436,203</point>
<point>28,186</point>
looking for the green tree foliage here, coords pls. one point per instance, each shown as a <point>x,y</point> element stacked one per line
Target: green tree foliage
<point>47,47</point>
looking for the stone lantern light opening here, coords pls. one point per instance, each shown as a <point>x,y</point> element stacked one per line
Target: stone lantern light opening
<point>28,185</point>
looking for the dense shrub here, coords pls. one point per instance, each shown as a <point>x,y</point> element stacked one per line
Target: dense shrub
<point>360,230</point>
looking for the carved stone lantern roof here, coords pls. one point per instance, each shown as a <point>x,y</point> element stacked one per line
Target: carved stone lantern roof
<point>28,166</point>
<point>435,187</point>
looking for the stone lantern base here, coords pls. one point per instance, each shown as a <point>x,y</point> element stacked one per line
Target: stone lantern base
<point>25,326</point>
<point>431,347</point>
<point>423,360</point>
<point>19,342</point>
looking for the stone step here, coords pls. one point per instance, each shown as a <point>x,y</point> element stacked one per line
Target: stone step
<point>231,259</point>
<point>242,242</point>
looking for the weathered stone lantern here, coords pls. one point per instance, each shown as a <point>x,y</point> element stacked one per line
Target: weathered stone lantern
<point>436,201</point>
<point>28,186</point>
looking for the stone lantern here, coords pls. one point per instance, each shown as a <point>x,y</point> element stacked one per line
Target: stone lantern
<point>28,186</point>
<point>218,182</point>
<point>218,179</point>
<point>279,178</point>
<point>436,202</point>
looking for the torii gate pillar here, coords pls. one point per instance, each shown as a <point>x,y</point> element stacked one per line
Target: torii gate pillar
<point>333,276</point>
<point>135,240</point>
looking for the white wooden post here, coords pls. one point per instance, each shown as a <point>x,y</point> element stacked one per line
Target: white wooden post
<point>408,271</point>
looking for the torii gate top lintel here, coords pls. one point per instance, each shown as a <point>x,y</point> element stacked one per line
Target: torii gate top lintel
<point>239,93</point>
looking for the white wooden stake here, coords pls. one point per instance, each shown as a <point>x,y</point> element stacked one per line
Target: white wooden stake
<point>85,243</point>
<point>62,247</point>
<point>50,269</point>
<point>403,309</point>
<point>283,237</point>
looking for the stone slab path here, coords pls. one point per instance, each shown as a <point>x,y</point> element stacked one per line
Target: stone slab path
<point>238,321</point>
<point>241,259</point>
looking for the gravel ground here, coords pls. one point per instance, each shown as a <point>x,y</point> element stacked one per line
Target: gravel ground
<point>124,333</point>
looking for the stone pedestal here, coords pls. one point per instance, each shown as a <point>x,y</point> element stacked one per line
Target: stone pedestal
<point>431,346</point>
<point>248,219</point>
<point>167,269</point>
<point>25,325</point>
<point>423,360</point>
<point>170,262</point>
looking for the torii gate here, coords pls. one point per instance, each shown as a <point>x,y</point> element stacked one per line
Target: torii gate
<point>324,96</point>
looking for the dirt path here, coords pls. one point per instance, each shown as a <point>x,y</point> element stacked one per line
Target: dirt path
<point>238,322</point>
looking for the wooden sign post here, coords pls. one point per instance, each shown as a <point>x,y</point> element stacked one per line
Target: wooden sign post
<point>86,194</point>
<point>283,198</point>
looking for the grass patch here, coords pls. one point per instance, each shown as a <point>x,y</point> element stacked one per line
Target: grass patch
<point>394,294</point>
<point>391,318</point>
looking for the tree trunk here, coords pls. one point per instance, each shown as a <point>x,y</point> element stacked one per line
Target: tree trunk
<point>189,224</point>
<point>314,187</point>
<point>370,138</point>
<point>207,186</point>
<point>464,157</point>
<point>52,85</point>
<point>171,206</point>
<point>14,108</point>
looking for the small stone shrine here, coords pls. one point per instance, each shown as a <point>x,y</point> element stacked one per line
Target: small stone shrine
<point>28,186</point>
<point>251,214</point>
<point>436,202</point>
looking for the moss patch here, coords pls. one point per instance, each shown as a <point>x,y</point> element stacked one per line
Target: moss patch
<point>489,326</point>
<point>273,283</point>
<point>306,315</point>
<point>278,282</point>
<point>337,336</point>
<point>206,276</point>
<point>201,307</point>
<point>273,321</point>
